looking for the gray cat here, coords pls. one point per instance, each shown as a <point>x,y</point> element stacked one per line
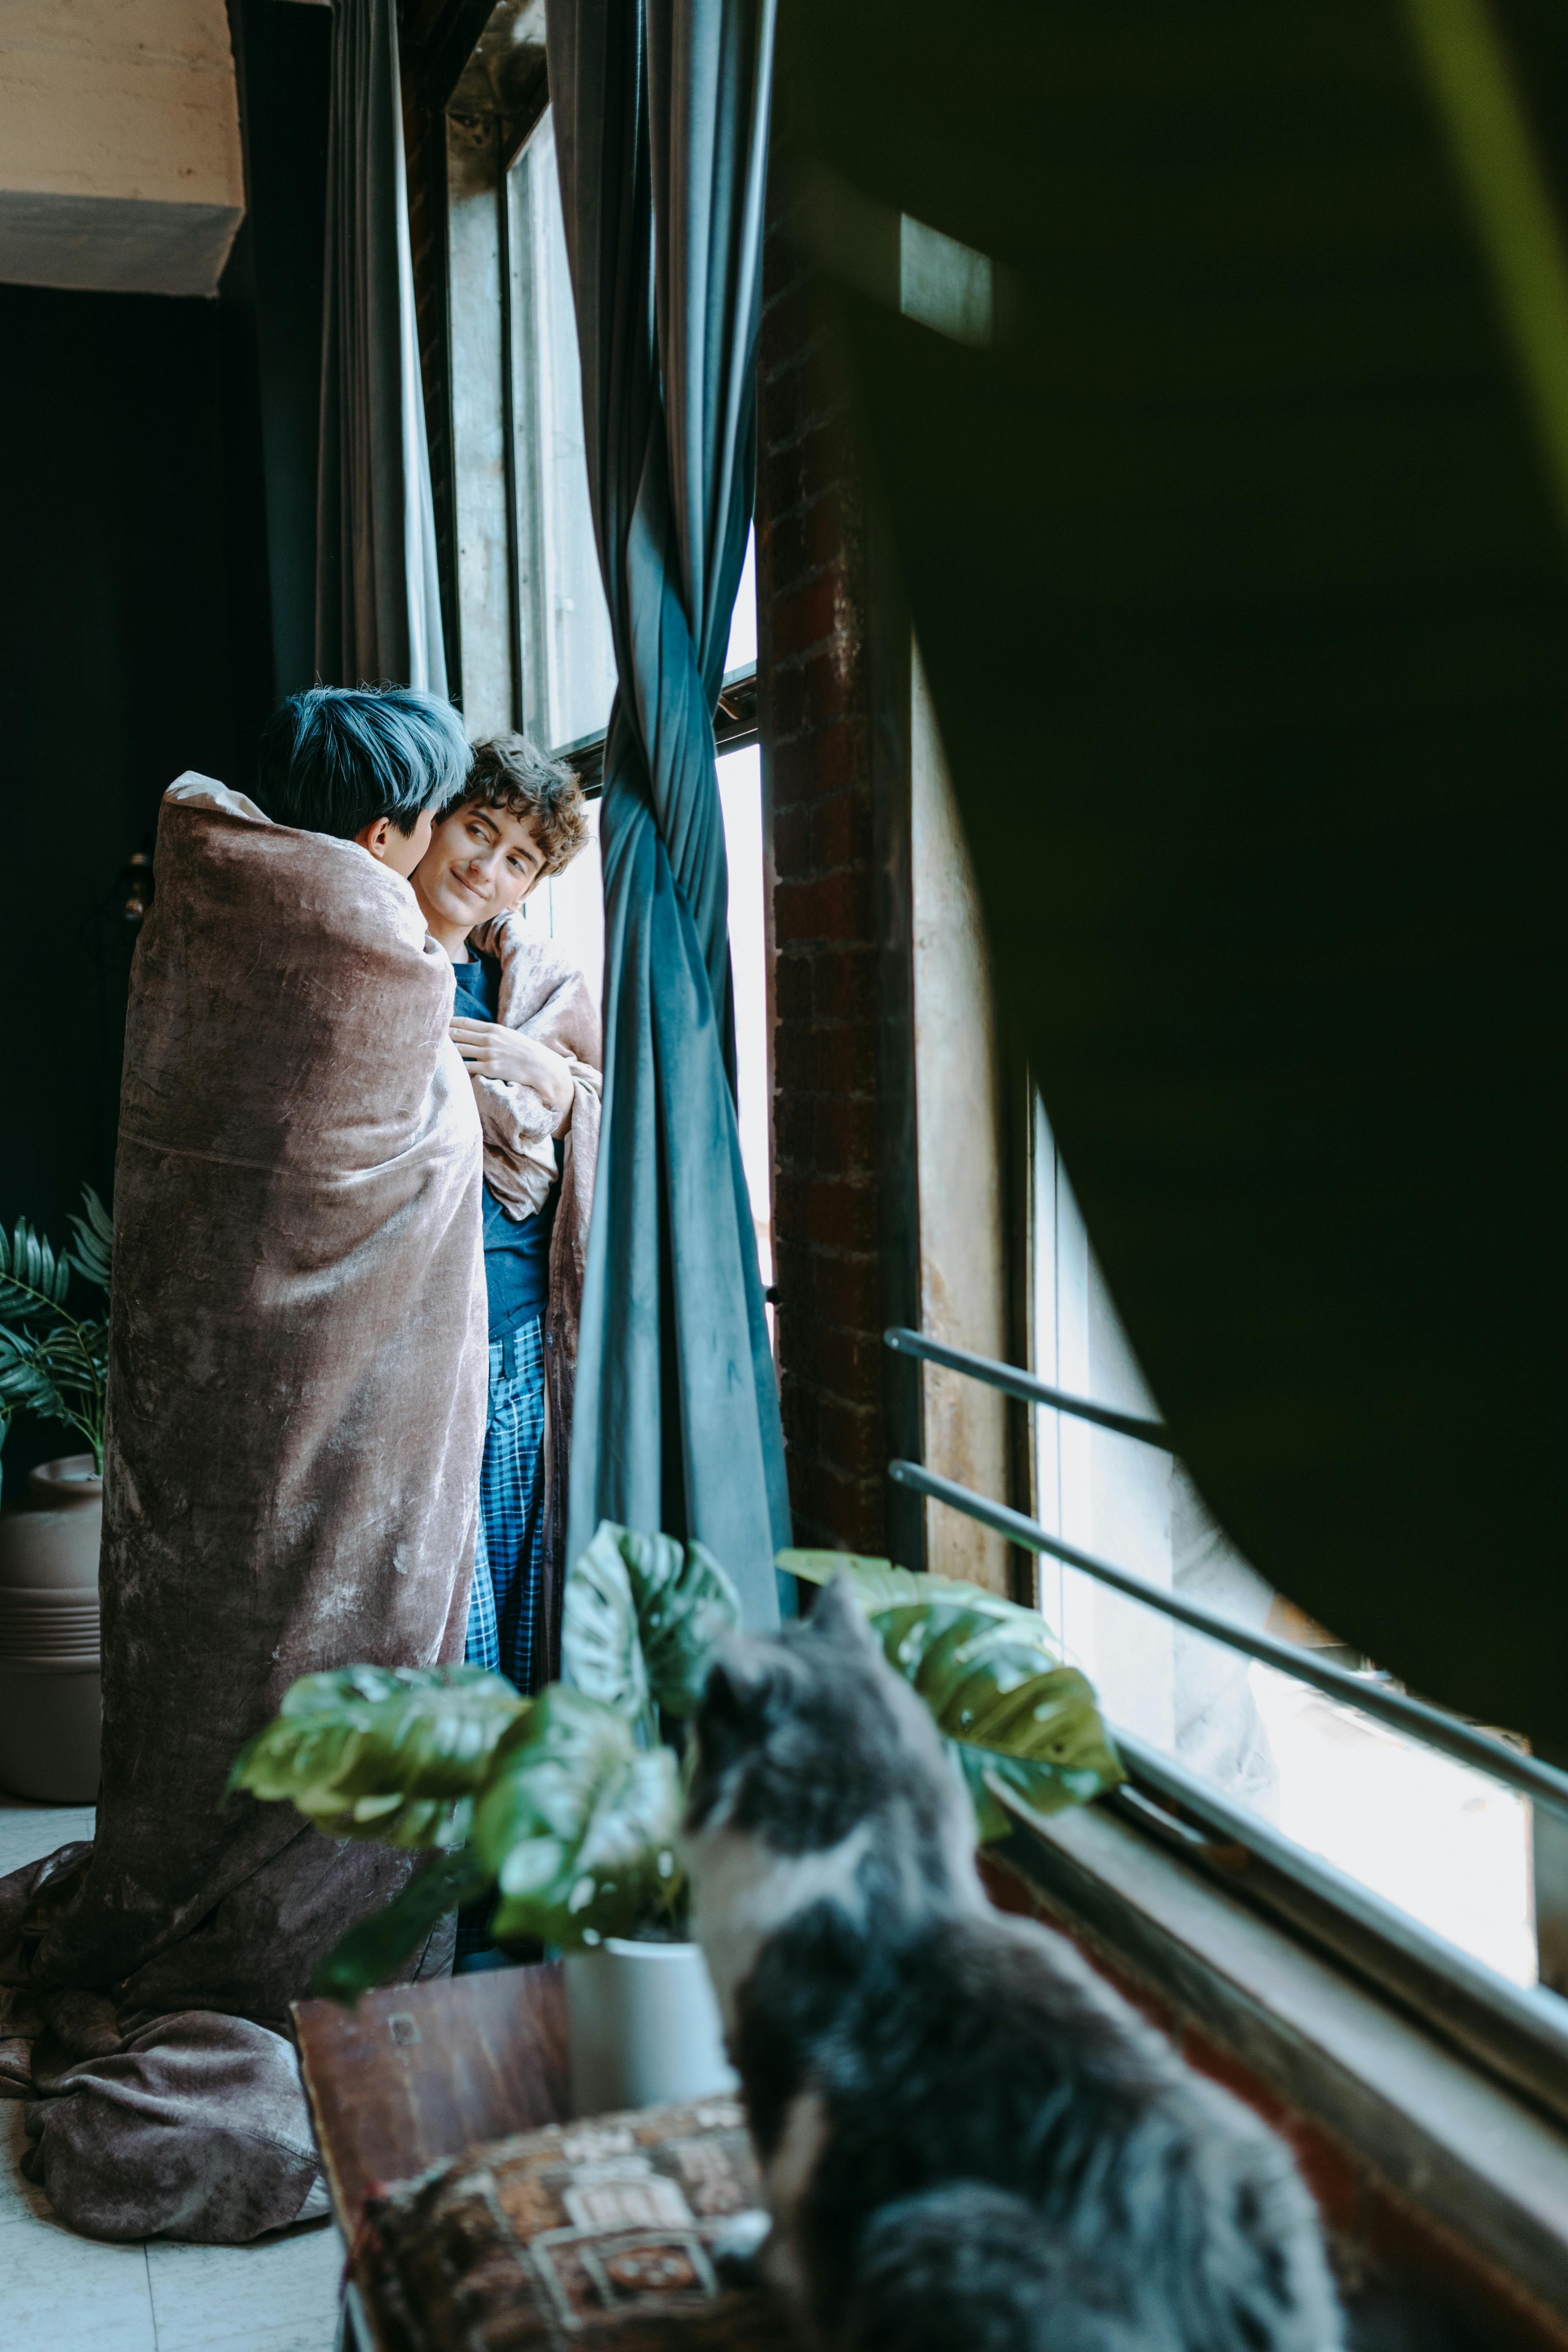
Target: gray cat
<point>968,2140</point>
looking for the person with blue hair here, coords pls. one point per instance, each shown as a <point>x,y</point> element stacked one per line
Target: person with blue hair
<point>369,763</point>
<point>296,1393</point>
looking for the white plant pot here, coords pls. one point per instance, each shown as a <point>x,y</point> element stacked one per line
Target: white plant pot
<point>642,2026</point>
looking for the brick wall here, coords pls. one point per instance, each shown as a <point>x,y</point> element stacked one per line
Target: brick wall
<point>815,694</point>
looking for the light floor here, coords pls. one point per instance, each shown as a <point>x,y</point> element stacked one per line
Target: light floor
<point>278,2295</point>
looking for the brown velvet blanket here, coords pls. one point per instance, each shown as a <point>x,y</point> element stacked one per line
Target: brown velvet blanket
<point>546,998</point>
<point>296,1415</point>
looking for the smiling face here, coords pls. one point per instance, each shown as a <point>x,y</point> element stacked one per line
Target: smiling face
<point>481,862</point>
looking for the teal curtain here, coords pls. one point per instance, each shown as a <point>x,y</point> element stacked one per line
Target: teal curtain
<point>661,116</point>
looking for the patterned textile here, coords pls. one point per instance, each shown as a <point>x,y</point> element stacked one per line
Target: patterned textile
<point>546,999</point>
<point>504,1604</point>
<point>608,2232</point>
<point>482,1647</point>
<point>509,1559</point>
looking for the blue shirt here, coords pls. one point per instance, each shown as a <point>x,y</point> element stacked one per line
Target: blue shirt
<point>517,1251</point>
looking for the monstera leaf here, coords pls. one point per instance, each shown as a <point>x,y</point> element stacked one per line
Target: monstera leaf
<point>577,1824</point>
<point>390,1753</point>
<point>377,1946</point>
<point>1010,1712</point>
<point>641,1616</point>
<point>878,1584</point>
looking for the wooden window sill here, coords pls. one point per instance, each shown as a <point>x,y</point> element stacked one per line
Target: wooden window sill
<point>1374,2104</point>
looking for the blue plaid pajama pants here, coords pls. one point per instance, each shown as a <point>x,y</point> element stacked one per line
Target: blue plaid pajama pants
<point>509,1555</point>
<point>509,1549</point>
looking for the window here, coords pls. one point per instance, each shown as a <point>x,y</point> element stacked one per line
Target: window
<point>535,652</point>
<point>566,661</point>
<point>1455,1852</point>
<point>1448,1845</point>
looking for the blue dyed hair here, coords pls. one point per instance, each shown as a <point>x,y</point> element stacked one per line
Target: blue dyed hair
<point>336,758</point>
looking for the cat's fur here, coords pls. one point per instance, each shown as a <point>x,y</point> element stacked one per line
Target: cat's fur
<point>968,2140</point>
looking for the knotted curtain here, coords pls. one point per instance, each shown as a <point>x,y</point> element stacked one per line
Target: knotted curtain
<point>661,114</point>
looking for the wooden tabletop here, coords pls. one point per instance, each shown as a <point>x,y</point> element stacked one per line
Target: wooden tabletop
<point>425,2071</point>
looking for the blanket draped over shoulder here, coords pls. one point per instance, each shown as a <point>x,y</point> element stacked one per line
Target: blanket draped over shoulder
<point>546,998</point>
<point>296,1411</point>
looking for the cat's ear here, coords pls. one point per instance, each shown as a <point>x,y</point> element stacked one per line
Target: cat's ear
<point>736,1688</point>
<point>835,1617</point>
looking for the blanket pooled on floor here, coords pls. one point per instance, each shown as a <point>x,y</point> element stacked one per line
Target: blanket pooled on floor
<point>296,1415</point>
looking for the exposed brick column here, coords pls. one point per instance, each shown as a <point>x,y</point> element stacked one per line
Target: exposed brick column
<point>815,690</point>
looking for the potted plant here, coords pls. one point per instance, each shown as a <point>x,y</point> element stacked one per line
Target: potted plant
<point>55,1363</point>
<point>51,1362</point>
<point>567,1805</point>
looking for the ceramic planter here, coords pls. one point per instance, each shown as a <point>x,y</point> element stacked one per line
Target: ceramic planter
<point>50,1722</point>
<point>50,1692</point>
<point>642,2026</point>
<point>50,1542</point>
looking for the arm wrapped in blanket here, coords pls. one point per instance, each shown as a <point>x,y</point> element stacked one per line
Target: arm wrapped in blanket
<point>546,998</point>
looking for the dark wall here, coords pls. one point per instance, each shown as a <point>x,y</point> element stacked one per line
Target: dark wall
<point>157,535</point>
<point>114,675</point>
<point>272,289</point>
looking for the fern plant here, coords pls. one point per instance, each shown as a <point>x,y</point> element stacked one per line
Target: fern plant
<point>53,1363</point>
<point>567,1805</point>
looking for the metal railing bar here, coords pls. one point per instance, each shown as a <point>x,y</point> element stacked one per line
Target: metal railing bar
<point>1521,2035</point>
<point>1015,1383</point>
<point>1463,1741</point>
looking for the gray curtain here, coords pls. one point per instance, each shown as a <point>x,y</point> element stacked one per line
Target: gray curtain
<point>661,132</point>
<point>378,607</point>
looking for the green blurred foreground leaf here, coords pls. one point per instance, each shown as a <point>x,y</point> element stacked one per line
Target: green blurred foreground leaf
<point>578,1825</point>
<point>878,1584</point>
<point>390,1753</point>
<point>641,1617</point>
<point>989,1671</point>
<point>569,1804</point>
<point>1007,1711</point>
<point>379,1945</point>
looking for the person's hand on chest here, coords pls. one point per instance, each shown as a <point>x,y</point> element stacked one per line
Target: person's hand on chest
<point>489,1050</point>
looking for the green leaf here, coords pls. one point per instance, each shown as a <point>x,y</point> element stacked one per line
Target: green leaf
<point>600,1652</point>
<point>1008,1711</point>
<point>374,1950</point>
<point>878,1584</point>
<point>24,1384</point>
<point>641,1616</point>
<point>390,1753</point>
<point>32,1279</point>
<point>578,1825</point>
<point>94,1231</point>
